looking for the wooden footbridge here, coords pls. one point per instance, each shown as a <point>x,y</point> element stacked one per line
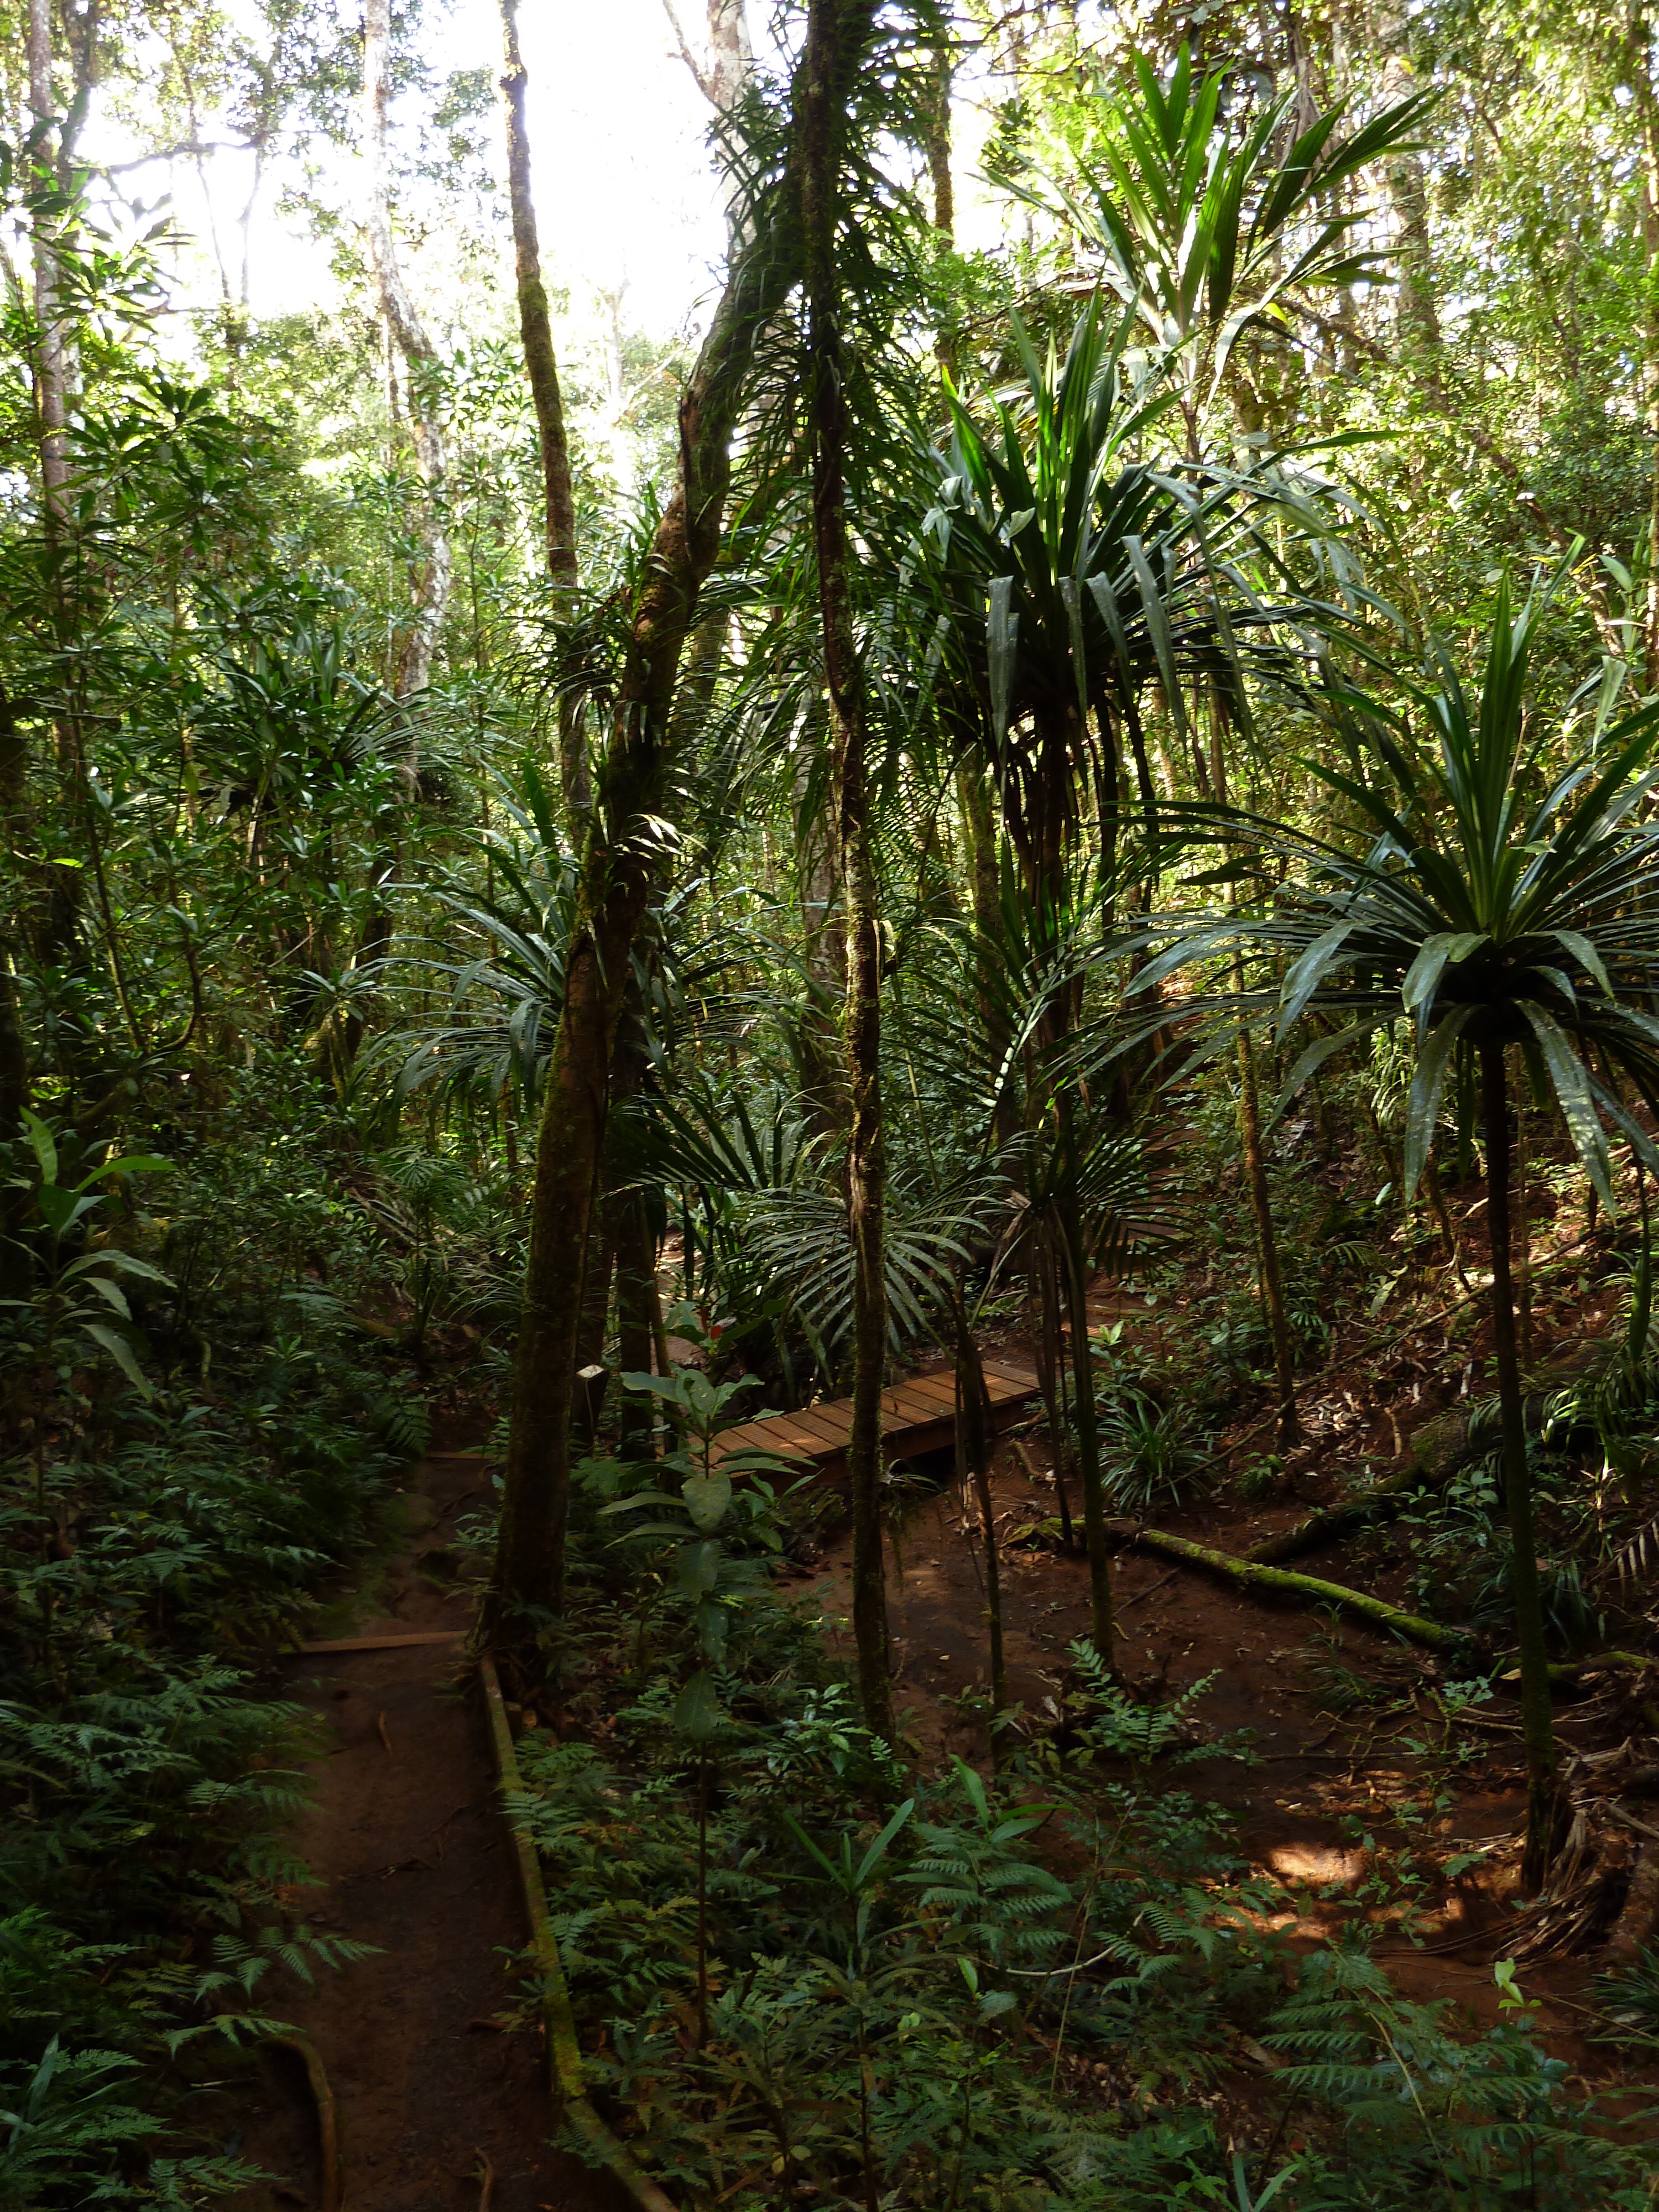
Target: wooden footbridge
<point>916,1417</point>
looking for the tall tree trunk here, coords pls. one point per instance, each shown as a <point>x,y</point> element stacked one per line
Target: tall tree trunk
<point>535,324</point>
<point>1638,75</point>
<point>1086,1422</point>
<point>1544,1801</point>
<point>636,1274</point>
<point>59,922</point>
<point>819,116</point>
<point>1416,317</point>
<point>14,1045</point>
<point>976,1447</point>
<point>1261,1207</point>
<point>936,135</point>
<point>431,580</point>
<point>1256,1168</point>
<point>51,367</point>
<point>542,371</point>
<point>614,890</point>
<point>341,1032</point>
<point>818,870</point>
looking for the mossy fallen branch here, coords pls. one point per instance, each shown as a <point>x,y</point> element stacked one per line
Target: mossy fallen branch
<point>1306,1589</point>
<point>1434,1453</point>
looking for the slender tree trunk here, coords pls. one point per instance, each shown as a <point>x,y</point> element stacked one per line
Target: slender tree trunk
<point>14,1045</point>
<point>1416,317</point>
<point>1272,1285</point>
<point>819,115</point>
<point>614,893</point>
<point>52,365</point>
<point>975,1442</point>
<point>52,370</point>
<point>937,140</point>
<point>535,324</point>
<point>823,1073</point>
<point>1544,1803</point>
<point>341,1035</point>
<point>542,371</point>
<point>1086,1422</point>
<point>979,826</point>
<point>1255,1171</point>
<point>431,580</point>
<point>635,1274</point>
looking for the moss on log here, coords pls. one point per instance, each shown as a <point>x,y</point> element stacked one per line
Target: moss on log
<point>1305,1589</point>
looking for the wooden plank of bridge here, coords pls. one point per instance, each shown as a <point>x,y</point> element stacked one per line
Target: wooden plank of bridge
<point>917,1415</point>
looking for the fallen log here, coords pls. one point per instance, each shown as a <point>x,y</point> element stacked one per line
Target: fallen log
<point>1434,1453</point>
<point>1308,1589</point>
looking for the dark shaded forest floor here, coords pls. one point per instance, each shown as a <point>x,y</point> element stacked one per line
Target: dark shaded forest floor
<point>1356,1788</point>
<point>1349,1782</point>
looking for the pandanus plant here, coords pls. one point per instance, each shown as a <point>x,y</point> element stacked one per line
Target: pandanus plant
<point>1504,904</point>
<point>1207,231</point>
<point>1069,570</point>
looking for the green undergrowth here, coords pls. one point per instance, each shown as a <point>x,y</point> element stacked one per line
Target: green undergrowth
<point>806,1971</point>
<point>151,1556</point>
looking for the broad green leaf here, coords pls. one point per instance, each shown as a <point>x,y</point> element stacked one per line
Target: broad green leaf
<point>120,1352</point>
<point>1438,953</point>
<point>712,1623</point>
<point>41,1144</point>
<point>708,1498</point>
<point>1423,1103</point>
<point>1570,1084</point>
<point>112,1294</point>
<point>1587,957</point>
<point>124,1264</point>
<point>878,1850</point>
<point>61,1208</point>
<point>133,1164</point>
<point>1321,1049</point>
<point>697,1708</point>
<point>698,1568</point>
<point>1304,976</point>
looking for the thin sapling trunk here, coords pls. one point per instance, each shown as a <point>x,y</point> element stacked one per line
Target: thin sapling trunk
<point>819,114</point>
<point>1544,1804</point>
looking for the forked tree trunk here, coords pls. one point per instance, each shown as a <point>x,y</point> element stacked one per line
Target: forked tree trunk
<point>1544,1799</point>
<point>613,892</point>
<point>819,116</point>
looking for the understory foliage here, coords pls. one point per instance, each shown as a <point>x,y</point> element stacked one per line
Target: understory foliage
<point>1030,1991</point>
<point>155,1547</point>
<point>1229,747</point>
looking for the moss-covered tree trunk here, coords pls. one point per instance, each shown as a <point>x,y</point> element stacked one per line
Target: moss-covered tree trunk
<point>542,373</point>
<point>614,892</point>
<point>833,28</point>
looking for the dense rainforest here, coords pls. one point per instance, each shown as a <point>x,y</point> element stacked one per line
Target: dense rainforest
<point>829,1105</point>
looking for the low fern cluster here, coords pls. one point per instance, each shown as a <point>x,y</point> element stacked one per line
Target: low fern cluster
<point>145,1780</point>
<point>1000,1997</point>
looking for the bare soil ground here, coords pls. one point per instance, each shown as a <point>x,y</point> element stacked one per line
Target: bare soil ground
<point>1340,1804</point>
<point>437,2071</point>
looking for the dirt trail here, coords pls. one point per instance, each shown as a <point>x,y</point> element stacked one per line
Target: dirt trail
<point>409,1853</point>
